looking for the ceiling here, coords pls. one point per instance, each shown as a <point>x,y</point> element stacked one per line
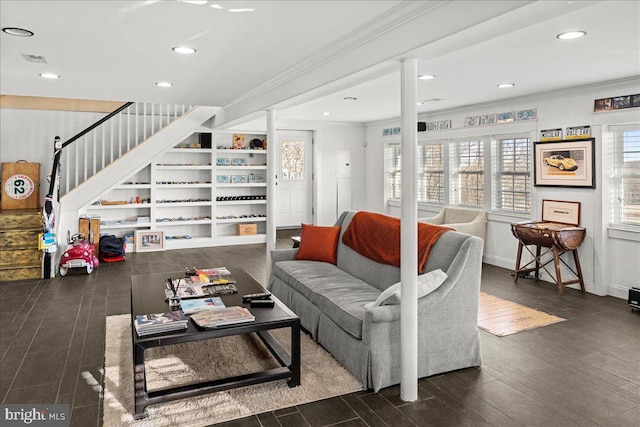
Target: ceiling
<point>304,57</point>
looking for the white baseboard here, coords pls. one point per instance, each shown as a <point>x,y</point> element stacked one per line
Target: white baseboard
<point>618,291</point>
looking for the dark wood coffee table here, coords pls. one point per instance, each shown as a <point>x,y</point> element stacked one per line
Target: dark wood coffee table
<point>147,297</point>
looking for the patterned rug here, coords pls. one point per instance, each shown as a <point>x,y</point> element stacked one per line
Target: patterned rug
<point>322,377</point>
<point>501,317</point>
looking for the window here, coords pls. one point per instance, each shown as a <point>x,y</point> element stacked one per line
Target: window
<point>292,160</point>
<point>468,176</point>
<point>392,162</point>
<point>431,173</point>
<point>512,180</point>
<point>625,174</point>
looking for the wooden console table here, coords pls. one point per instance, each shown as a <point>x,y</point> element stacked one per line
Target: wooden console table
<point>556,238</point>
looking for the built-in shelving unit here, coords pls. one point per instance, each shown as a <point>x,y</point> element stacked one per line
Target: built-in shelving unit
<point>195,195</point>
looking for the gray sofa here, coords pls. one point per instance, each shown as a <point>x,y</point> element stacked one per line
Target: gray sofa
<point>330,301</point>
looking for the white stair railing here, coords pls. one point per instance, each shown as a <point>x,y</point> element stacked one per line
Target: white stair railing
<point>100,146</point>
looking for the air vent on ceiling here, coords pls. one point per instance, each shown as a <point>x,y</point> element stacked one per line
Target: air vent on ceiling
<point>38,59</point>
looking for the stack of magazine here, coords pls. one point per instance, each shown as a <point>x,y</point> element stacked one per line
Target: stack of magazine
<point>149,324</point>
<point>190,306</point>
<point>222,317</point>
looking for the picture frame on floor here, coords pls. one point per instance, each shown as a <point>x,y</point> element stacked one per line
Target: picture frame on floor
<point>149,240</point>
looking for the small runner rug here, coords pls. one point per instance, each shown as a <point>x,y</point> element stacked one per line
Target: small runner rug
<point>322,377</point>
<point>501,317</point>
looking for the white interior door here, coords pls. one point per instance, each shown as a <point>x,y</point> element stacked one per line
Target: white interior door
<point>294,185</point>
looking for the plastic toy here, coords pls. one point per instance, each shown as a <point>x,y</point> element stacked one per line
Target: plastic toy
<point>79,254</point>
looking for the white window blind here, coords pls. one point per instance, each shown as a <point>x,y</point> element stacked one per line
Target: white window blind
<point>392,162</point>
<point>468,173</point>
<point>431,173</point>
<point>512,178</point>
<point>624,147</point>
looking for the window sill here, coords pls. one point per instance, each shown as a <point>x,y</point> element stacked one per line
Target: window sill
<point>508,217</point>
<point>623,233</point>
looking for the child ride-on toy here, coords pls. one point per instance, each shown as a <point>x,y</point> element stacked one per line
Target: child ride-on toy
<point>79,254</point>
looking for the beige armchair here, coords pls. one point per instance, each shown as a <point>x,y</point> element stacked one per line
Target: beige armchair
<point>463,220</point>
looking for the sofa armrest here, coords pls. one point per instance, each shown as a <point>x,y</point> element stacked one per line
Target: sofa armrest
<point>438,219</point>
<point>283,255</point>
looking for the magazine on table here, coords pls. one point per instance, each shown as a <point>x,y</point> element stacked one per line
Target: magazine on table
<point>185,291</point>
<point>222,317</point>
<point>214,275</point>
<point>190,306</point>
<point>147,324</point>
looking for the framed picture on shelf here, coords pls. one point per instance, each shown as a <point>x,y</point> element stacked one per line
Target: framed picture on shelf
<point>238,179</point>
<point>238,162</point>
<point>604,104</point>
<point>222,179</point>
<point>149,240</point>
<point>565,163</point>
<point>223,161</point>
<point>238,141</point>
<point>253,178</point>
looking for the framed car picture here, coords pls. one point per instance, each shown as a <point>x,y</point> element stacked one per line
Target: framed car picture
<point>567,163</point>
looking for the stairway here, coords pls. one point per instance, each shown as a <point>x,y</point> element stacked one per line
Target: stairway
<point>20,258</point>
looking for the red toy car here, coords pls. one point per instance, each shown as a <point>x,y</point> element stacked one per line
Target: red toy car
<point>79,254</point>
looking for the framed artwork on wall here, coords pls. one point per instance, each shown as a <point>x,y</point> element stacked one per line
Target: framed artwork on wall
<point>565,163</point>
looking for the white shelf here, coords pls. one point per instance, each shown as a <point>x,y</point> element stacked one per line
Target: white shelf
<point>240,220</point>
<point>198,185</point>
<point>183,167</point>
<point>124,225</point>
<point>232,151</point>
<point>242,202</point>
<point>180,168</point>
<point>181,204</point>
<point>185,222</point>
<point>132,187</point>
<point>123,206</point>
<point>190,150</point>
<point>238,168</point>
<point>261,184</point>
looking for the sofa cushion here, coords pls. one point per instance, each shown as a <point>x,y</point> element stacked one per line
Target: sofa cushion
<point>318,243</point>
<point>340,296</point>
<point>379,275</point>
<point>427,283</point>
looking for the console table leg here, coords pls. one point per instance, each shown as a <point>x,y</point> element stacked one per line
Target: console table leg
<point>516,272</point>
<point>556,260</point>
<point>576,260</point>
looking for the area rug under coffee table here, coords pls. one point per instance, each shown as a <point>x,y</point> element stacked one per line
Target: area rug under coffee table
<point>322,377</point>
<point>501,317</point>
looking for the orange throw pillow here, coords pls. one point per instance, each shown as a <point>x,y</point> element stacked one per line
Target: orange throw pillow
<point>319,243</point>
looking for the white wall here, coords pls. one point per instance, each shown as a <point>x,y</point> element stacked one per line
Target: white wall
<point>610,265</point>
<point>29,135</point>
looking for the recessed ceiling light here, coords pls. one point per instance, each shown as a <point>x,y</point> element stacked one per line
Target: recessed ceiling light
<point>570,35</point>
<point>216,6</point>
<point>427,77</point>
<point>19,32</point>
<point>505,85</point>
<point>184,49</point>
<point>241,10</point>
<point>419,103</point>
<point>350,98</point>
<point>49,76</point>
<point>164,84</point>
<point>326,113</point>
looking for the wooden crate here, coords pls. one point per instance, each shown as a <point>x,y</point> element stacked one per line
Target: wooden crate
<point>246,229</point>
<point>20,185</point>
<point>90,227</point>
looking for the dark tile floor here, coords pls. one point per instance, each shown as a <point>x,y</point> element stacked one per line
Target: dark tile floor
<point>580,372</point>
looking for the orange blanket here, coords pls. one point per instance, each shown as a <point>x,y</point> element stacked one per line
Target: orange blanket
<point>377,237</point>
